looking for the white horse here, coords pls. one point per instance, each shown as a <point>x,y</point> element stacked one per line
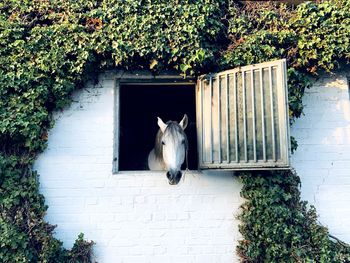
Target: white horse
<point>170,149</point>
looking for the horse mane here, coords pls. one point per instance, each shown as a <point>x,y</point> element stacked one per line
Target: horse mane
<point>172,127</point>
<point>158,149</point>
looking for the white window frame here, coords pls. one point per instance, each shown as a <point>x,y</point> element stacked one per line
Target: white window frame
<point>139,78</point>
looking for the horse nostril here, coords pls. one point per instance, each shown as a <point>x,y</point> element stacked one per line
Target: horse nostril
<point>174,178</point>
<point>178,177</point>
<point>170,178</point>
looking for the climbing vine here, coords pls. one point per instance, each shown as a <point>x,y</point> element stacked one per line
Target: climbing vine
<point>48,48</point>
<point>276,225</point>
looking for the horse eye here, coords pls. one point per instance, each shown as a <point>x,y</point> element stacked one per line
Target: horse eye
<point>163,142</point>
<point>183,141</point>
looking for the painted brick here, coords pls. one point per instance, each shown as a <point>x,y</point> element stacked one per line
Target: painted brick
<point>132,216</point>
<point>322,159</point>
<point>138,217</point>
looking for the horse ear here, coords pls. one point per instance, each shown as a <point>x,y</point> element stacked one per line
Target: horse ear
<point>161,124</point>
<point>184,122</point>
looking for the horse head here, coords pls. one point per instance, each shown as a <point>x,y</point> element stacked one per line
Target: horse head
<point>174,145</point>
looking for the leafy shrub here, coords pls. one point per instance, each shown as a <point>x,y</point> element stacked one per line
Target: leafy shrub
<point>324,32</point>
<point>278,227</point>
<point>81,251</point>
<point>261,32</point>
<point>311,36</point>
<point>49,48</point>
<point>25,236</point>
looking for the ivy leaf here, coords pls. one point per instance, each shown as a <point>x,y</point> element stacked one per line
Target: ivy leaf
<point>153,64</point>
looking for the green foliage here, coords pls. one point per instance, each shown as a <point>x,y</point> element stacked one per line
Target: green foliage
<point>311,36</point>
<point>324,33</point>
<point>278,227</point>
<point>25,236</point>
<point>48,48</point>
<point>81,251</point>
<point>158,34</point>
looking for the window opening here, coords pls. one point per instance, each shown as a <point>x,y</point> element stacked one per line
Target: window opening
<point>140,105</point>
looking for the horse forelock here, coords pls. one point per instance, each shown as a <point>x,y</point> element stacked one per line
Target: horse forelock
<point>172,129</point>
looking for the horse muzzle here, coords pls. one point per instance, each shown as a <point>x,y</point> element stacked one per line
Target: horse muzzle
<point>174,177</point>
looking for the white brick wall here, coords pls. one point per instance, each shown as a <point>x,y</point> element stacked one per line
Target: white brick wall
<point>132,216</point>
<point>322,159</point>
<point>138,217</point>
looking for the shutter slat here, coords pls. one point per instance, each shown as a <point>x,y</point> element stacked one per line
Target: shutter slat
<point>219,116</point>
<point>262,115</point>
<point>272,117</point>
<point>211,119</point>
<point>236,114</point>
<point>253,113</point>
<point>201,152</point>
<point>227,119</point>
<point>244,117</point>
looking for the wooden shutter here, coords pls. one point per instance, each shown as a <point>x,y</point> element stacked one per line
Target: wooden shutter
<point>242,118</point>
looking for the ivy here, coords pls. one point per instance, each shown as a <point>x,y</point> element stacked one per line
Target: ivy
<point>324,32</point>
<point>25,236</point>
<point>279,227</point>
<point>312,37</point>
<point>48,48</point>
<point>276,225</point>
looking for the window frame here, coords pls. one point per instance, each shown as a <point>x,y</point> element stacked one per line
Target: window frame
<point>141,77</point>
<point>144,77</point>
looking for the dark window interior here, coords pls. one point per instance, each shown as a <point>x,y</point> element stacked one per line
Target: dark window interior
<point>140,105</point>
<point>348,77</point>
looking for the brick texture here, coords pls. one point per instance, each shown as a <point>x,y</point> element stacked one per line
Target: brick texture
<point>132,216</point>
<point>138,217</point>
<point>322,159</point>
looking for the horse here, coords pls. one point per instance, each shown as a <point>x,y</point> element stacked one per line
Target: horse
<point>170,149</point>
